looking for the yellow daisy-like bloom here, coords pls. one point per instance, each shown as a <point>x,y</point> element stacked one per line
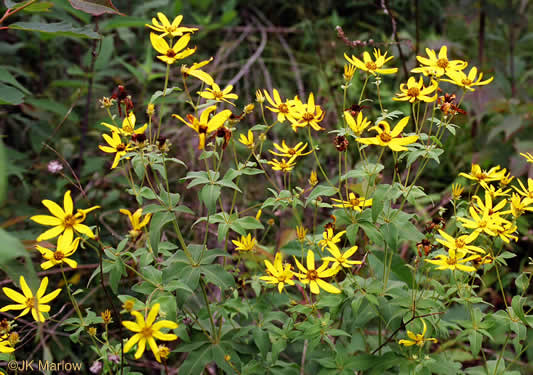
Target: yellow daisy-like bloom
<point>461,243</point>
<point>314,276</point>
<point>63,219</point>
<point>349,71</point>
<point>283,109</point>
<point>520,205</point>
<point>329,238</point>
<point>390,138</point>
<point>372,66</point>
<point>301,232</point>
<point>136,223</point>
<point>354,202</point>
<point>460,79</point>
<point>477,174</point>
<point>438,65</point>
<point>506,230</point>
<point>278,273</point>
<point>313,178</point>
<point>307,114</point>
<point>357,125</point>
<point>528,156</point>
<point>506,180</point>
<point>283,165</point>
<point>5,347</point>
<point>115,146</point>
<point>417,339</point>
<point>173,29</point>
<point>527,193</point>
<point>64,250</point>
<point>171,54</point>
<point>27,302</point>
<point>196,72</point>
<point>489,222</point>
<point>248,141</point>
<point>454,261</point>
<point>457,190</point>
<point>246,243</point>
<point>289,152</point>
<point>494,193</point>
<point>415,91</point>
<point>147,331</point>
<point>128,126</point>
<point>204,125</point>
<point>341,259</point>
<point>214,93</point>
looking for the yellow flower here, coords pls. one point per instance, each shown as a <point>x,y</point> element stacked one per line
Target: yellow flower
<point>461,243</point>
<point>307,114</point>
<point>339,259</point>
<point>249,108</point>
<point>168,54</point>
<point>527,193</point>
<point>506,230</point>
<point>5,347</point>
<point>29,302</point>
<point>313,179</point>
<point>173,29</point>
<point>65,249</point>
<point>289,152</point>
<point>349,71</point>
<point>204,125</point>
<point>387,138</point>
<point>136,223</point>
<point>519,205</point>
<point>354,202</point>
<point>454,261</point>
<point>301,232</point>
<point>528,156</point>
<point>506,180</point>
<point>196,72</point>
<point>246,243</point>
<point>417,339</point>
<point>356,125</point>
<point>415,91</point>
<point>116,146</point>
<point>492,190</point>
<point>128,126</point>
<point>106,316</point>
<point>457,190</point>
<point>438,65</point>
<point>214,93</point>
<point>63,219</point>
<point>373,67</point>
<point>314,276</point>
<point>278,273</point>
<point>283,109</point>
<point>128,305</point>
<point>489,222</point>
<point>248,141</point>
<point>147,331</point>
<point>150,110</point>
<point>259,96</point>
<point>283,165</point>
<point>329,238</point>
<point>460,79</point>
<point>477,174</point>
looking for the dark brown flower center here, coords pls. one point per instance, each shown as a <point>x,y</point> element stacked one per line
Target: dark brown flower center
<point>466,82</point>
<point>312,275</point>
<point>283,108</point>
<point>121,147</point>
<point>442,63</point>
<point>385,137</point>
<point>413,92</point>
<point>218,95</point>
<point>452,261</point>
<point>371,65</point>
<point>354,202</point>
<point>58,255</point>
<point>146,332</point>
<point>459,243</point>
<point>291,151</point>
<point>30,303</point>
<point>308,116</point>
<point>202,129</point>
<point>170,53</point>
<point>69,220</point>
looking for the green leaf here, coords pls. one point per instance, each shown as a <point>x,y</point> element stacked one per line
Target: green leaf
<point>378,200</point>
<point>10,95</point>
<point>261,340</point>
<point>3,173</point>
<point>158,221</point>
<point>372,232</point>
<point>475,339</point>
<point>319,191</point>
<point>217,275</point>
<point>196,361</point>
<point>159,93</point>
<point>94,7</point>
<point>521,282</point>
<point>57,29</point>
<point>39,7</point>
<point>8,78</point>
<point>209,195</point>
<point>11,249</point>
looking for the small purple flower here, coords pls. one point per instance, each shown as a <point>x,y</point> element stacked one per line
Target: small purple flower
<point>96,367</point>
<point>114,358</point>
